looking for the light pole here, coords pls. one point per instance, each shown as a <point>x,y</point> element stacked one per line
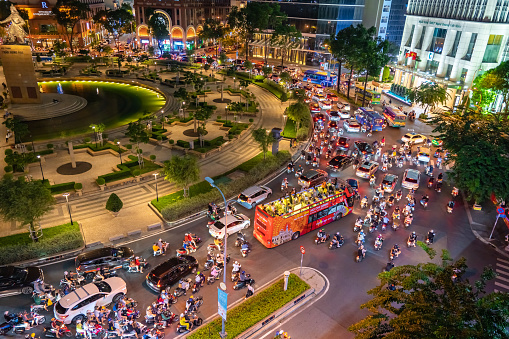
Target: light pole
<point>157,192</point>
<point>119,152</point>
<point>95,136</point>
<point>66,195</point>
<point>40,164</point>
<point>211,182</point>
<point>233,83</point>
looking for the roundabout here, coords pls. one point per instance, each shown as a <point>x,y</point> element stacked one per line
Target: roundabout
<point>74,105</point>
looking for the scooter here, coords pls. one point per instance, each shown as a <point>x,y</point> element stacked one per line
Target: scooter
<point>134,269</point>
<point>424,203</point>
<point>244,250</point>
<point>358,225</point>
<point>241,284</point>
<point>51,332</point>
<point>195,322</point>
<point>241,238</point>
<point>378,244</point>
<point>410,243</point>
<point>338,244</point>
<point>395,224</point>
<point>450,206</point>
<point>322,240</point>
<point>364,203</point>
<point>211,278</point>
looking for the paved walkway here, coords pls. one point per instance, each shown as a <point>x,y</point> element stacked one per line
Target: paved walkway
<point>136,215</point>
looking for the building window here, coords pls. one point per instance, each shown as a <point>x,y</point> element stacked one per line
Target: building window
<point>32,93</point>
<point>492,48</point>
<point>387,8</point>
<point>421,39</point>
<point>470,49</point>
<point>448,71</point>
<point>382,30</point>
<point>409,41</point>
<point>384,20</point>
<point>16,92</point>
<point>47,28</point>
<point>437,43</point>
<point>454,48</point>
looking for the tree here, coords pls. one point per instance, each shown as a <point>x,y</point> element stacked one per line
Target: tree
<point>182,170</point>
<point>158,29</point>
<point>264,139</point>
<point>16,126</point>
<point>68,13</point>
<point>24,201</point>
<point>373,58</point>
<point>339,46</point>
<point>117,22</point>
<point>137,132</point>
<point>114,204</point>
<point>249,66</point>
<point>245,83</point>
<point>298,113</point>
<point>482,96</point>
<point>428,302</point>
<point>284,37</point>
<point>497,79</point>
<point>286,78</point>
<point>203,114</point>
<point>429,94</point>
<point>477,145</point>
<point>212,30</point>
<point>266,70</point>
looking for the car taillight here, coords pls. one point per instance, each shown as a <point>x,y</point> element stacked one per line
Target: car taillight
<point>78,268</point>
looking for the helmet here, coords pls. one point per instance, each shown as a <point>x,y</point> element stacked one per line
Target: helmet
<point>198,273</point>
<point>32,335</point>
<point>66,273</point>
<point>191,297</point>
<point>323,229</point>
<point>182,315</point>
<point>243,272</point>
<point>432,231</point>
<point>413,233</point>
<point>236,262</point>
<point>52,319</point>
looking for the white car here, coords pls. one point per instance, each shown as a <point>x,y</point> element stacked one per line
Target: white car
<point>236,223</point>
<point>343,106</point>
<point>366,169</point>
<point>424,155</point>
<point>253,196</point>
<point>413,138</point>
<point>75,305</point>
<point>411,179</point>
<point>351,126</point>
<point>344,114</point>
<point>325,104</point>
<point>333,115</point>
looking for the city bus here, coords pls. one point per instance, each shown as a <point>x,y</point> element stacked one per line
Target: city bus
<point>394,117</point>
<point>319,78</point>
<point>280,221</point>
<point>372,96</point>
<point>371,119</point>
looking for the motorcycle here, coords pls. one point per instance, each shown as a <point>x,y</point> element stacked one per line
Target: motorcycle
<point>132,268</point>
<point>338,244</point>
<point>408,222</point>
<point>170,319</point>
<point>211,278</point>
<point>378,244</point>
<point>395,224</point>
<point>241,238</point>
<point>429,240</point>
<point>424,203</point>
<point>373,227</point>
<point>322,240</point>
<point>241,284</point>
<point>195,322</point>
<point>245,249</point>
<point>410,243</point>
<point>364,203</point>
<point>299,172</point>
<point>180,291</point>
<point>51,332</point>
<point>105,274</point>
<point>399,195</point>
<point>394,254</point>
<point>454,192</point>
<point>358,225</point>
<point>290,168</point>
<point>450,206</point>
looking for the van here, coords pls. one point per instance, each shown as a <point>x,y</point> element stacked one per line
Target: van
<point>253,196</point>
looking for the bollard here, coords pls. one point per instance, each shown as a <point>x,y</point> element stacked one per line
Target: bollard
<point>287,274</point>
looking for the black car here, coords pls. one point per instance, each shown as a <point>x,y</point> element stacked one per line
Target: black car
<point>14,279</point>
<point>111,258</point>
<point>171,271</point>
<point>343,143</point>
<point>333,125</point>
<point>364,147</point>
<point>339,162</point>
<point>319,117</point>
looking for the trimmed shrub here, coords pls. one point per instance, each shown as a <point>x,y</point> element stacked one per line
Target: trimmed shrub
<point>172,141</point>
<point>183,143</point>
<point>251,120</point>
<point>61,188</point>
<point>136,172</point>
<point>152,157</point>
<point>100,181</point>
<point>8,169</point>
<point>129,146</point>
<point>8,151</point>
<point>114,204</point>
<point>78,186</point>
<point>86,140</point>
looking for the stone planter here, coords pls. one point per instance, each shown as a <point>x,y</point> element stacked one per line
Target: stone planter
<point>102,187</point>
<point>115,214</point>
<point>79,192</point>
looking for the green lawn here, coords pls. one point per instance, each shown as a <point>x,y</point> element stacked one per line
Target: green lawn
<point>19,247</point>
<point>290,131</point>
<point>269,88</point>
<point>254,309</point>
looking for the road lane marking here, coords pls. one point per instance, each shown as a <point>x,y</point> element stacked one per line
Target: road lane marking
<point>502,285</point>
<point>502,260</point>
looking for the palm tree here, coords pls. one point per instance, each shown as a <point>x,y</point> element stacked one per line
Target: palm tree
<point>429,95</point>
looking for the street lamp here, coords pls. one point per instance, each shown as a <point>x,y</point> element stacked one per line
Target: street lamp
<point>95,136</point>
<point>226,112</point>
<point>211,182</point>
<point>119,153</point>
<point>66,195</point>
<point>157,192</point>
<point>234,83</point>
<point>40,164</point>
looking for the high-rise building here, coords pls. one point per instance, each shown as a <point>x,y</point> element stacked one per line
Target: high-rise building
<point>388,16</point>
<point>452,41</point>
<point>317,20</point>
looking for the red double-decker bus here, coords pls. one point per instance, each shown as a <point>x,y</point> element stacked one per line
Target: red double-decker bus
<point>283,220</point>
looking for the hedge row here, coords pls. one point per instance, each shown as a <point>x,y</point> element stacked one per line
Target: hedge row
<point>185,207</point>
<point>61,188</point>
<point>253,310</point>
<point>67,238</point>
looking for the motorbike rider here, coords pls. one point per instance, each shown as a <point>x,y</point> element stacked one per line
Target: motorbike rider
<point>361,252</point>
<point>395,251</point>
<point>321,235</point>
<point>236,267</point>
<point>425,199</point>
<point>162,245</point>
<point>396,213</point>
<point>184,321</point>
<point>242,276</point>
<point>440,177</point>
<point>190,305</point>
<point>450,206</point>
<point>389,266</point>
<point>431,236</point>
<point>189,238</point>
<point>360,237</point>
<point>413,237</point>
<point>455,191</point>
<point>244,247</point>
<point>409,218</point>
<point>372,180</point>
<point>364,201</point>
<point>337,239</point>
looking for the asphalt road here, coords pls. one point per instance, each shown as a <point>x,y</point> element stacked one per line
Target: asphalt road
<point>330,316</point>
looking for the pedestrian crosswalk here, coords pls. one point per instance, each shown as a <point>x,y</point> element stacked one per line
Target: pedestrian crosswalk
<point>502,279</point>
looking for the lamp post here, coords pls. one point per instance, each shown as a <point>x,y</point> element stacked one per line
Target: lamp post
<point>233,83</point>
<point>40,164</point>
<point>157,192</point>
<point>66,195</point>
<point>119,153</point>
<point>211,182</point>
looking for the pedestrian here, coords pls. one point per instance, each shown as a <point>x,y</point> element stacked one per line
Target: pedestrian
<point>390,101</point>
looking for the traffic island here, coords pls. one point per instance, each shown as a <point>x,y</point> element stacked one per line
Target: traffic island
<point>267,305</point>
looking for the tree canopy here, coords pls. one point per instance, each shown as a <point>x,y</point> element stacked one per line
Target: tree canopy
<point>117,22</point>
<point>212,30</point>
<point>434,301</point>
<point>497,79</point>
<point>429,94</point>
<point>114,204</point>
<point>158,28</point>
<point>264,139</point>
<point>68,13</point>
<point>478,146</point>
<point>24,201</point>
<point>182,170</point>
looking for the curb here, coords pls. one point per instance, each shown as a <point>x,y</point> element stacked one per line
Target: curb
<point>475,233</point>
<point>286,310</point>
